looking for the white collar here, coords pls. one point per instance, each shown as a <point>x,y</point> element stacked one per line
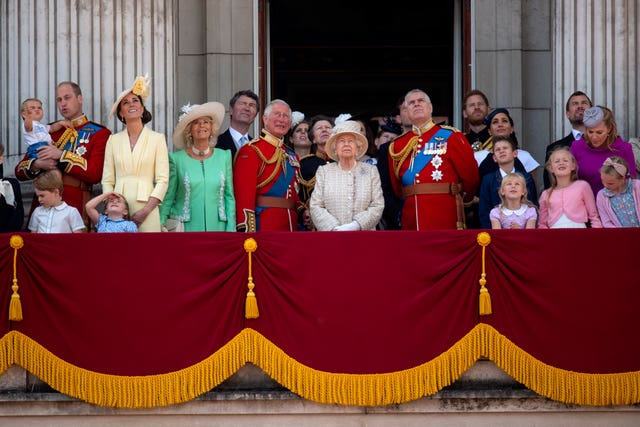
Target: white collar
<point>520,211</point>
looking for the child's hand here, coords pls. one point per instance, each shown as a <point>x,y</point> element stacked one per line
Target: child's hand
<point>66,124</point>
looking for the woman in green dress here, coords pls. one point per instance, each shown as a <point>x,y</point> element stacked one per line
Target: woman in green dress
<point>200,194</point>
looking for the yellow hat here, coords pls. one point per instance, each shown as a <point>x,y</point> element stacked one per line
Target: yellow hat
<point>141,87</point>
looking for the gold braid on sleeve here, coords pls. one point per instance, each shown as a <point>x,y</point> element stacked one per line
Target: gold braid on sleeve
<point>400,157</point>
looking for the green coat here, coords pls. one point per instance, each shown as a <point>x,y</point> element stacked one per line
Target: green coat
<point>200,194</point>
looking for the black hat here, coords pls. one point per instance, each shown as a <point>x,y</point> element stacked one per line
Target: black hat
<point>391,126</point>
<point>492,114</point>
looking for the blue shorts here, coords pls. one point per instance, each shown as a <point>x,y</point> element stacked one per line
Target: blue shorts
<point>32,150</point>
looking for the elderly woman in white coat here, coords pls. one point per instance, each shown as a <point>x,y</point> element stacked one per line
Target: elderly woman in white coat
<point>347,194</point>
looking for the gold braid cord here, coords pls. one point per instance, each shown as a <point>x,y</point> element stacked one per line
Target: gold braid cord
<point>69,134</point>
<point>278,158</point>
<point>400,157</point>
<point>70,156</point>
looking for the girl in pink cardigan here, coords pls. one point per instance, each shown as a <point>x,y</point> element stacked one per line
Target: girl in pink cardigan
<point>569,202</point>
<point>619,201</point>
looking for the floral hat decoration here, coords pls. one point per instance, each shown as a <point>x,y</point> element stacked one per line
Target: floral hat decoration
<point>141,87</point>
<point>296,118</point>
<point>190,112</point>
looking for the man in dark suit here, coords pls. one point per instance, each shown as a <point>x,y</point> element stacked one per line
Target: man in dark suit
<point>577,104</point>
<point>243,109</point>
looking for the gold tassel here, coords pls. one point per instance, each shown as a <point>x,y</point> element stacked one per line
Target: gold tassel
<point>485,299</point>
<point>15,306</point>
<point>251,304</point>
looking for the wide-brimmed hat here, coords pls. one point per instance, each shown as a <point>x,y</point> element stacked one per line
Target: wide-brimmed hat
<point>346,127</point>
<point>215,110</point>
<point>141,87</point>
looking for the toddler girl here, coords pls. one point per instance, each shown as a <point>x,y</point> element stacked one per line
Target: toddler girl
<point>116,214</point>
<point>619,201</point>
<point>569,202</point>
<point>515,211</point>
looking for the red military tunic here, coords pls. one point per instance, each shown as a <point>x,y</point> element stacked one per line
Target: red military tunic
<point>81,163</point>
<point>265,181</point>
<point>450,161</point>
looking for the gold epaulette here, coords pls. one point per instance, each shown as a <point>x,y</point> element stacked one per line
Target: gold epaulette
<point>450,128</point>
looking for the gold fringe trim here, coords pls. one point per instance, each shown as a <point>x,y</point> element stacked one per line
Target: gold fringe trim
<point>555,383</point>
<point>484,239</point>
<point>15,306</point>
<point>318,386</point>
<point>124,391</point>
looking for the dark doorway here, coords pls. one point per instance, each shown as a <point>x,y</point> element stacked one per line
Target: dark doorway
<point>339,56</point>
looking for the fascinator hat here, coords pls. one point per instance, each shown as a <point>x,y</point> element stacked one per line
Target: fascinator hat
<point>492,114</point>
<point>346,127</point>
<point>190,112</point>
<point>141,87</point>
<point>296,118</point>
<point>391,126</point>
<point>593,117</point>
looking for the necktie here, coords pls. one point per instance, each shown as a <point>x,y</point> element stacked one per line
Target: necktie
<point>578,135</point>
<point>243,140</point>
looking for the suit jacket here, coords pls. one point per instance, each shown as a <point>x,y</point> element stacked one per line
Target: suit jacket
<point>392,204</point>
<point>564,142</point>
<point>225,141</point>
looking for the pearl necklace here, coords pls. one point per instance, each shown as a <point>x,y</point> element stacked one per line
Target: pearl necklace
<point>197,152</point>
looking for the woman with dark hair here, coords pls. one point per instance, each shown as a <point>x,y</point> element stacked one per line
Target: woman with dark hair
<point>500,123</point>
<point>136,161</point>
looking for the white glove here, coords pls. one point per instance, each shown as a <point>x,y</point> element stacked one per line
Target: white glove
<point>352,226</point>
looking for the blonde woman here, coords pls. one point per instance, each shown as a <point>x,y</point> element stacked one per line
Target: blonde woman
<point>200,195</point>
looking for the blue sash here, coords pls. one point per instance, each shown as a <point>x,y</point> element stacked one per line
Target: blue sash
<point>280,187</point>
<point>424,156</point>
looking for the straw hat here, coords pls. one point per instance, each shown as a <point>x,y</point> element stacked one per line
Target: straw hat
<point>141,87</point>
<point>346,127</point>
<point>214,110</point>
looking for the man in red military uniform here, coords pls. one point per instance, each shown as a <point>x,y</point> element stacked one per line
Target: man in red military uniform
<point>432,170</point>
<point>79,155</point>
<point>265,176</point>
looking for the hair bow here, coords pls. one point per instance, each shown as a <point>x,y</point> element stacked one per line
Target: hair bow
<point>620,168</point>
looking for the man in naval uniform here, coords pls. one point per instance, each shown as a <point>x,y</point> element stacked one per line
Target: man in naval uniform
<point>77,152</point>
<point>432,169</point>
<point>265,176</point>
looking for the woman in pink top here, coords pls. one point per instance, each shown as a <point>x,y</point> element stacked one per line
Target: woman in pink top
<point>569,202</point>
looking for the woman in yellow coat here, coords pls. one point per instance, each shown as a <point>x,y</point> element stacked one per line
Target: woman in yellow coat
<point>136,161</point>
